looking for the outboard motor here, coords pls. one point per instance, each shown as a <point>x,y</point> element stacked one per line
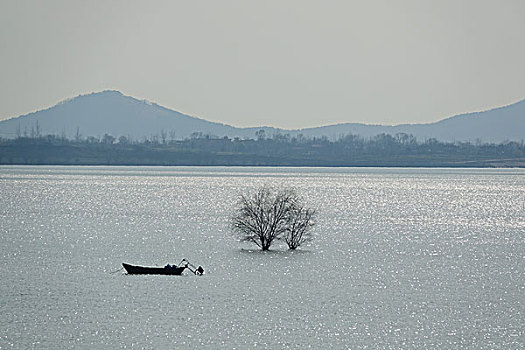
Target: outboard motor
<point>199,271</point>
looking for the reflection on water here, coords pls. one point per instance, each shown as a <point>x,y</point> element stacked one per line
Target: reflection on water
<point>404,258</point>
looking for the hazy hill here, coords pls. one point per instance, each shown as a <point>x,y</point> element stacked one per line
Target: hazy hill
<point>495,125</point>
<point>111,112</point>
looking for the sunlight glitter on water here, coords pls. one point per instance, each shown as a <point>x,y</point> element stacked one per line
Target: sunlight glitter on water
<point>404,258</point>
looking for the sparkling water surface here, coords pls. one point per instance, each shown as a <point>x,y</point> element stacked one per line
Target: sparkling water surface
<point>403,259</point>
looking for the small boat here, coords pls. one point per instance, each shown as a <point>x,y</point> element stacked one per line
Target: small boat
<point>166,270</point>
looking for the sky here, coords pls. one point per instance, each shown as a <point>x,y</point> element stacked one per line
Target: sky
<point>288,64</point>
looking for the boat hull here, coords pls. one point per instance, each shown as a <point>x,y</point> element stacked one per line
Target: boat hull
<point>143,270</point>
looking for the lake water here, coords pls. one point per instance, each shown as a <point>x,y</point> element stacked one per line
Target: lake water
<point>403,259</point>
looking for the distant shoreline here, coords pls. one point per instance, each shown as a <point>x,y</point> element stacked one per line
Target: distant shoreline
<point>350,151</point>
<point>512,164</point>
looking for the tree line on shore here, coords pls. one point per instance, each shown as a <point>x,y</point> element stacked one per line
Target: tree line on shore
<point>277,150</point>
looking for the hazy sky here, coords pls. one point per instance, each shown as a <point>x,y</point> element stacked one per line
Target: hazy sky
<point>279,63</point>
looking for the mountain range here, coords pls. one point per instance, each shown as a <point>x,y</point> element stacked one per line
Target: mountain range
<point>111,112</point>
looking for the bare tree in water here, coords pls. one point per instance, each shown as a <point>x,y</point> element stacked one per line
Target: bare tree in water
<point>268,214</point>
<point>298,225</point>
